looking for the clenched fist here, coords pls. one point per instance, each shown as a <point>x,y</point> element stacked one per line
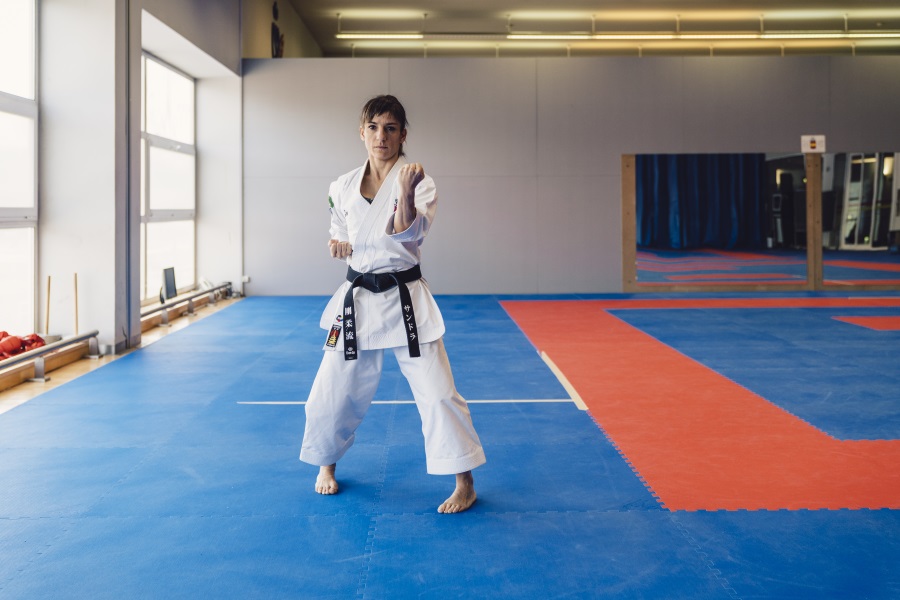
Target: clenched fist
<point>339,249</point>
<point>410,175</point>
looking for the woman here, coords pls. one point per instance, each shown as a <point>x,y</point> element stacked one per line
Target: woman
<point>380,215</point>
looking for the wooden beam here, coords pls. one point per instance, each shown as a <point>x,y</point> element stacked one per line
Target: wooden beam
<point>814,275</point>
<point>629,224</point>
<point>155,320</point>
<point>52,361</point>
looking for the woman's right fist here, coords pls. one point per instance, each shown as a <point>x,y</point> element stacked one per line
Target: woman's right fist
<point>339,249</point>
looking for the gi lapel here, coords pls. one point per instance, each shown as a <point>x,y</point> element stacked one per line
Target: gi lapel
<point>365,245</point>
<point>374,220</point>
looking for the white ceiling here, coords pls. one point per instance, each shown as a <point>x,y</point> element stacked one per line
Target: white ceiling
<point>480,27</point>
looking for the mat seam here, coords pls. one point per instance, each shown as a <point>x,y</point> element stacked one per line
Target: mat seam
<point>628,462</point>
<point>69,523</point>
<point>373,512</point>
<point>704,558</point>
<point>154,451</point>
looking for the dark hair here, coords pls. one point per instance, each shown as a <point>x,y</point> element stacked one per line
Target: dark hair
<point>384,104</point>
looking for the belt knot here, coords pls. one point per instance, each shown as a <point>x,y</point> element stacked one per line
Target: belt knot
<point>378,283</point>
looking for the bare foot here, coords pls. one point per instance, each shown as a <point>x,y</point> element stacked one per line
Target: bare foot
<point>463,496</point>
<point>325,482</point>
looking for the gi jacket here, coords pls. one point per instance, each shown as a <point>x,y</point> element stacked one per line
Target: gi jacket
<point>377,248</point>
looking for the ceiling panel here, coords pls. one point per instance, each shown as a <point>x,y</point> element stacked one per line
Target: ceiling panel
<point>616,27</point>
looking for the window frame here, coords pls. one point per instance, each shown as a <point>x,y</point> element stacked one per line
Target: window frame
<point>23,107</point>
<point>27,217</point>
<point>149,140</point>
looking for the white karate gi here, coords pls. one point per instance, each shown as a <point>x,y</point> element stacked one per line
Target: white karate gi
<point>343,389</point>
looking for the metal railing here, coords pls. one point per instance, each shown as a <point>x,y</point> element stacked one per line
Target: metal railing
<point>164,308</point>
<point>37,355</point>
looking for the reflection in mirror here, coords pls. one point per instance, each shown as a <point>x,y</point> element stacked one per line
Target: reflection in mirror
<point>739,220</point>
<point>860,219</point>
<point>720,220</point>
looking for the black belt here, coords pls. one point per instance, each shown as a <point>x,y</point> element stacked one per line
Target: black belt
<point>377,283</point>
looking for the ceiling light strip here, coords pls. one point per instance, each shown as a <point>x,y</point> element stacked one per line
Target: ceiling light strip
<point>648,37</point>
<point>788,35</point>
<point>380,36</point>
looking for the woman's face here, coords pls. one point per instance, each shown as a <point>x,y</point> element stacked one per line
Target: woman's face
<point>383,136</point>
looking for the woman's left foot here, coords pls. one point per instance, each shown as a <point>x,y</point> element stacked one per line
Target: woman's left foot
<point>463,496</point>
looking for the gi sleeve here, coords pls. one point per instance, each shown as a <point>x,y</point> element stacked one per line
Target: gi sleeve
<point>338,229</point>
<point>426,206</point>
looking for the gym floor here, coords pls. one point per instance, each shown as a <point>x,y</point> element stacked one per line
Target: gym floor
<point>691,446</point>
<point>770,267</point>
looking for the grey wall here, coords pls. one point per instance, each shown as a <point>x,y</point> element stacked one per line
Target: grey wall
<point>526,153</point>
<point>89,170</point>
<point>219,188</point>
<point>79,183</point>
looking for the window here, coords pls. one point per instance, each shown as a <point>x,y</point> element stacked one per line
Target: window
<point>17,48</point>
<point>18,166</point>
<point>18,142</point>
<point>168,177</point>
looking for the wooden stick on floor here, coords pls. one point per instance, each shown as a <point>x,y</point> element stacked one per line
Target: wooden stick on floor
<point>47,319</point>
<point>76,303</point>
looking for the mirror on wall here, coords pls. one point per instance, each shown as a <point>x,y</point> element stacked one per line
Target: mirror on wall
<point>739,221</point>
<point>860,219</point>
<point>735,220</point>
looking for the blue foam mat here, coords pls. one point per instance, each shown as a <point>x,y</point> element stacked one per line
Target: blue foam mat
<point>196,557</point>
<point>801,554</point>
<point>777,262</point>
<point>114,425</point>
<point>536,555</point>
<point>23,541</point>
<point>519,479</point>
<point>147,478</point>
<point>60,482</point>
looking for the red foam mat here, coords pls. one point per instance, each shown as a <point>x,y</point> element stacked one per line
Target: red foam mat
<point>876,323</point>
<point>699,440</point>
<point>733,276</point>
<point>859,264</point>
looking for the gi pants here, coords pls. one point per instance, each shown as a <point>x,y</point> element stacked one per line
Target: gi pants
<point>343,391</point>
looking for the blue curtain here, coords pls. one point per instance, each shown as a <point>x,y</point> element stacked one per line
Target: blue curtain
<point>701,201</point>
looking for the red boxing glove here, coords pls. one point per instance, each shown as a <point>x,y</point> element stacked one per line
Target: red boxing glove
<point>30,342</point>
<point>11,345</point>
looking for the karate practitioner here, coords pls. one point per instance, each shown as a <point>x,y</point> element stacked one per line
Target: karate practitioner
<point>380,215</point>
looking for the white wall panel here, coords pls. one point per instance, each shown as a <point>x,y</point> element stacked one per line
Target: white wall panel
<point>78,160</point>
<point>219,187</point>
<point>301,116</point>
<point>753,104</point>
<point>865,104</point>
<point>484,238</point>
<point>286,237</point>
<point>590,112</point>
<point>469,117</point>
<point>579,247</point>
